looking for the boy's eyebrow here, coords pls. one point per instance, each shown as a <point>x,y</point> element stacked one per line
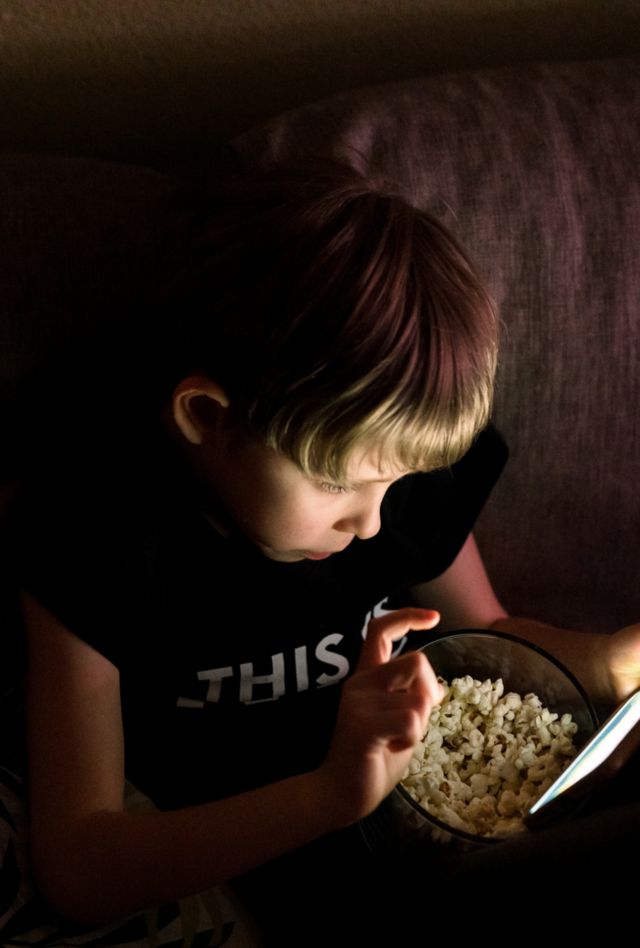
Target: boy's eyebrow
<point>374,480</point>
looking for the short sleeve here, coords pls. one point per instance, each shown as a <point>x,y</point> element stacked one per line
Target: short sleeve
<point>79,541</point>
<point>71,576</point>
<point>432,514</point>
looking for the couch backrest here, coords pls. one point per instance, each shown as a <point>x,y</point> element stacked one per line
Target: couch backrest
<point>80,243</point>
<point>537,170</point>
<point>160,80</point>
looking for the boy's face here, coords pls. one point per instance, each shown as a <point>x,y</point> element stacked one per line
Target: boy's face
<point>290,517</point>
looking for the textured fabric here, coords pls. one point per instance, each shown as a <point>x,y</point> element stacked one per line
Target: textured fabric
<point>220,694</point>
<point>537,170</point>
<point>214,917</point>
<point>81,242</point>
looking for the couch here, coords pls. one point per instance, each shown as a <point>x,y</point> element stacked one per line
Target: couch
<point>536,168</point>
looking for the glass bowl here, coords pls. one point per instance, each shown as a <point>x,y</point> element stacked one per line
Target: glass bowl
<point>400,823</point>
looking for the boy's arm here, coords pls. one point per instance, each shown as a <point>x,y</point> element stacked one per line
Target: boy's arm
<point>607,666</point>
<point>463,594</point>
<point>95,862</point>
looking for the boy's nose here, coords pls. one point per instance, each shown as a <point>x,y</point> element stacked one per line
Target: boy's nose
<point>364,523</point>
<point>369,528</point>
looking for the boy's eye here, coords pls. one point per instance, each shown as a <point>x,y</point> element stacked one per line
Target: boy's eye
<point>333,488</point>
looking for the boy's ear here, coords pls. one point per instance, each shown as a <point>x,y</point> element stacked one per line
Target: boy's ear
<point>196,404</point>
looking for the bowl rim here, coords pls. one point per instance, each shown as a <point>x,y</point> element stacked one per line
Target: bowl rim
<point>491,633</point>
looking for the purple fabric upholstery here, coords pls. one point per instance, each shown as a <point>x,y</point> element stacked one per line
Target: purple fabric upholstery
<point>537,170</point>
<point>80,243</point>
<point>71,231</point>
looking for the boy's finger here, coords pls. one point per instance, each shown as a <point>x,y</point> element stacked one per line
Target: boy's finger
<point>385,630</point>
<point>410,672</point>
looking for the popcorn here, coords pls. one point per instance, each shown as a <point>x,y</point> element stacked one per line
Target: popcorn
<point>487,756</point>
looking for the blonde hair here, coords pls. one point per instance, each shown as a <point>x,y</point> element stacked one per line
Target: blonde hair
<point>338,317</point>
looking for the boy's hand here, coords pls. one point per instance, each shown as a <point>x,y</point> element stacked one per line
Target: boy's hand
<point>384,711</point>
<point>620,654</point>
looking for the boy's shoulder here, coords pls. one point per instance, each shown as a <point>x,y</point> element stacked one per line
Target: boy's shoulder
<point>474,474</point>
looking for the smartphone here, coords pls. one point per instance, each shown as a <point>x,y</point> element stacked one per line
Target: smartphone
<point>604,754</point>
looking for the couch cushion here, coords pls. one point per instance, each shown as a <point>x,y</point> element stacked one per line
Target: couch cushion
<point>80,243</point>
<point>214,917</point>
<point>537,170</point>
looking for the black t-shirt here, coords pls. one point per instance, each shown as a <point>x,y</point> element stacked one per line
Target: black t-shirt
<point>228,661</point>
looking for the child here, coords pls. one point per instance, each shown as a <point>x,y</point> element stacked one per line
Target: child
<point>297,466</point>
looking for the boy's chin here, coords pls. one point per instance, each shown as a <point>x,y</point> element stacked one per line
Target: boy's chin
<point>281,556</point>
